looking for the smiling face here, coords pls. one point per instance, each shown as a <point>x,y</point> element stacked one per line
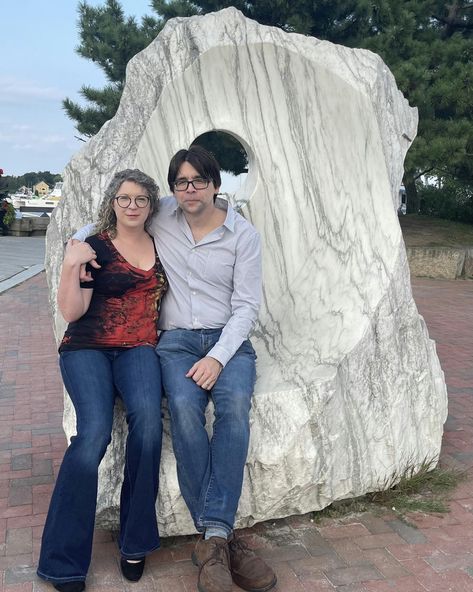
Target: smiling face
<point>194,202</point>
<point>131,216</point>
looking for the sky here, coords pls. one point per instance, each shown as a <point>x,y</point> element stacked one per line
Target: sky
<point>39,68</point>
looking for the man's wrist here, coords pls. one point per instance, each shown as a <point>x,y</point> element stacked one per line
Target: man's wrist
<point>218,361</point>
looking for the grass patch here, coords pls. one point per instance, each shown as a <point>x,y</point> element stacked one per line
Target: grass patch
<point>427,231</point>
<point>425,489</point>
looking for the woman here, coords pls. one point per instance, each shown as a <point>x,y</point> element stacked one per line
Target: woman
<point>108,350</point>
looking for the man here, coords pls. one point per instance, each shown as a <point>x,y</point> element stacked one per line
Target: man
<point>212,258</point>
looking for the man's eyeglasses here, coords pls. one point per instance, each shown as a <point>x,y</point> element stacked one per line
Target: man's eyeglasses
<point>197,183</point>
<point>141,201</point>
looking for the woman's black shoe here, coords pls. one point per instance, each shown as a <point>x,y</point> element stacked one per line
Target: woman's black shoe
<point>132,571</point>
<point>76,586</point>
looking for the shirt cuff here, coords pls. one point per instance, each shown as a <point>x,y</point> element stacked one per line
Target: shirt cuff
<point>220,354</point>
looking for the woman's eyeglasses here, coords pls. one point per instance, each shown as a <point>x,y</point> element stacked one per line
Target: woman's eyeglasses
<point>141,201</point>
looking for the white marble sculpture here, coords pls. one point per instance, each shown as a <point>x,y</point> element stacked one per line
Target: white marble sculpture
<point>349,390</point>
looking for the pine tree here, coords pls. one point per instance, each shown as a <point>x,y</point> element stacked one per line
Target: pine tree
<point>429,47</point>
<point>110,40</point>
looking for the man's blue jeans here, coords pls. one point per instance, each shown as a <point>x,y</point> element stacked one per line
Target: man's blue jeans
<point>210,473</point>
<point>92,379</point>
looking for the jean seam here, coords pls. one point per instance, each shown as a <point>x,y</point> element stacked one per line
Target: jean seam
<point>65,579</point>
<point>135,555</point>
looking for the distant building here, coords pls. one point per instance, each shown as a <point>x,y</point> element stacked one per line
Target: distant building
<point>24,190</point>
<point>56,193</point>
<point>41,188</point>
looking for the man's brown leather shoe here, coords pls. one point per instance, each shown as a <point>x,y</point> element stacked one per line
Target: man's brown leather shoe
<point>214,565</point>
<point>248,570</point>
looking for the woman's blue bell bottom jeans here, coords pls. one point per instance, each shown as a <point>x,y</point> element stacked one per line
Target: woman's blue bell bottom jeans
<point>92,379</point>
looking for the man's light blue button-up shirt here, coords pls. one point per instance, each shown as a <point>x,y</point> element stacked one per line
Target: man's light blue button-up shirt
<point>214,283</point>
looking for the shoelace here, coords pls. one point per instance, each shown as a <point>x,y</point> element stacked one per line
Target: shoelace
<point>240,545</point>
<point>217,556</point>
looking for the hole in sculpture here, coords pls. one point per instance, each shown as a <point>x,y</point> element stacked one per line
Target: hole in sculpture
<point>232,157</point>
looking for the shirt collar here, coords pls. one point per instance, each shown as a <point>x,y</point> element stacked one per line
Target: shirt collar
<point>230,217</point>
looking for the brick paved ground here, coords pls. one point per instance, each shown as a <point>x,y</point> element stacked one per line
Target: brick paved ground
<point>366,553</point>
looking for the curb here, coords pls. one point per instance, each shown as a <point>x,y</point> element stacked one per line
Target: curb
<point>21,277</point>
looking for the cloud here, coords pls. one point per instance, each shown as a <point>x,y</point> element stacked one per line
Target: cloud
<point>15,89</point>
<point>27,137</point>
<point>21,127</point>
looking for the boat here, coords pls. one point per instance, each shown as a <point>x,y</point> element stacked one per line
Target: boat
<point>27,205</point>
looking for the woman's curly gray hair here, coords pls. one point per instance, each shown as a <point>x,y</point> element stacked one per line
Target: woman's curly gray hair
<point>107,219</point>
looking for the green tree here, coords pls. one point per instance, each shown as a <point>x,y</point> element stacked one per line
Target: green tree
<point>7,212</point>
<point>3,186</point>
<point>429,47</point>
<point>110,40</point>
<point>227,150</point>
<point>13,183</point>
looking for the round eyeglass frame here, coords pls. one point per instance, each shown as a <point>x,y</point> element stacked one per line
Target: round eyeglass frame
<point>129,200</point>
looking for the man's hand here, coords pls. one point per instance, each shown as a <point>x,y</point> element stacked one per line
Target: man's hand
<point>205,372</point>
<point>78,253</point>
<point>84,276</point>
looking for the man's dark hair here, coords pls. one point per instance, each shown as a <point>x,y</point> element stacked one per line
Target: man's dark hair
<point>201,159</point>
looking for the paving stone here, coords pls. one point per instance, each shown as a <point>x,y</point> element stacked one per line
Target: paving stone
<point>441,562</point>
<point>284,553</point>
<point>287,579</point>
<point>19,574</point>
<point>375,524</point>
<point>349,551</point>
<point>20,494</point>
<point>408,584</point>
<point>385,563</point>
<point>452,581</point>
<point>342,531</point>
<point>20,559</point>
<point>309,565</point>
<point>21,461</point>
<point>18,541</point>
<point>24,587</point>
<point>42,466</point>
<point>314,542</point>
<point>409,551</point>
<point>162,570</point>
<point>176,584</point>
<point>408,533</point>
<point>38,480</point>
<point>379,540</point>
<point>309,584</point>
<point>349,575</point>
<point>351,588</point>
